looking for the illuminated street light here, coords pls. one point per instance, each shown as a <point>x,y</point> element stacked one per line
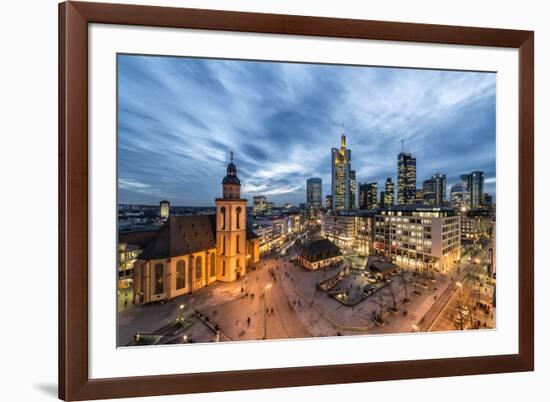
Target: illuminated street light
<point>179,318</point>
<point>459,284</point>
<point>415,328</point>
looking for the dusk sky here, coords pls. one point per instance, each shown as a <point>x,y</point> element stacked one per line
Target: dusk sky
<point>178,119</point>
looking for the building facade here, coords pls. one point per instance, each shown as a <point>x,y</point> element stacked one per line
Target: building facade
<point>127,256</point>
<point>259,204</point>
<point>231,228</point>
<point>406,179</point>
<point>314,195</point>
<point>418,237</point>
<point>164,209</point>
<point>389,193</point>
<point>328,202</point>
<point>478,182</point>
<point>352,190</point>
<point>190,252</point>
<point>363,194</point>
<point>351,230</point>
<point>435,190</point>
<point>340,229</point>
<point>473,189</point>
<point>319,254</point>
<point>476,224</point>
<point>275,230</point>
<point>372,195</point>
<point>457,195</point>
<point>382,199</point>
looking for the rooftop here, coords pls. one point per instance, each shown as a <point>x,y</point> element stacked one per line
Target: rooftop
<point>319,250</point>
<point>185,234</point>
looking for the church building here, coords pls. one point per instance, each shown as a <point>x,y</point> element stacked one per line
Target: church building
<point>191,252</point>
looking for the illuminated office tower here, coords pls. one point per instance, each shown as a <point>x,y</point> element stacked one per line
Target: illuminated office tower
<point>389,193</point>
<point>314,195</point>
<point>340,186</point>
<point>406,179</point>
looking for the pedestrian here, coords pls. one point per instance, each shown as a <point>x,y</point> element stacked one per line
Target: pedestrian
<point>248,320</point>
<point>271,310</point>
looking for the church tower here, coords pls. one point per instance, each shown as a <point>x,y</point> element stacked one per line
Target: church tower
<point>231,228</point>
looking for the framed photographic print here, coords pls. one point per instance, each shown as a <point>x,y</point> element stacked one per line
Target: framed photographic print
<point>259,200</point>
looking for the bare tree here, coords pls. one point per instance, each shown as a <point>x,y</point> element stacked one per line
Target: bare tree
<point>463,313</point>
<point>405,283</point>
<point>394,289</point>
<point>381,303</point>
<point>460,317</point>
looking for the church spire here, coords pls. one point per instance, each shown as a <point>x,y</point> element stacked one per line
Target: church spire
<point>231,183</point>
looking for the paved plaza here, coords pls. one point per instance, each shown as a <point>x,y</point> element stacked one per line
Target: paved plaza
<point>279,300</point>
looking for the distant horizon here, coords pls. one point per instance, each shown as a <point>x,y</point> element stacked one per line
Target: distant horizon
<point>179,118</point>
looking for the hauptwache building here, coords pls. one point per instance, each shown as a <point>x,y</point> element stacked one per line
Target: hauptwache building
<point>191,252</point>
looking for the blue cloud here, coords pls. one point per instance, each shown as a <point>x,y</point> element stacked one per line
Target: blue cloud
<point>178,118</point>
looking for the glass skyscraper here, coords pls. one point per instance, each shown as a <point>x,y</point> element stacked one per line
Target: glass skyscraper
<point>389,193</point>
<point>352,190</point>
<point>477,199</point>
<point>314,195</point>
<point>341,177</point>
<point>372,195</point>
<point>435,190</point>
<point>473,187</point>
<point>406,179</point>
<point>363,194</point>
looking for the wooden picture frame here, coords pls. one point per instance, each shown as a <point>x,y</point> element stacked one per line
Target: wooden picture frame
<point>74,381</point>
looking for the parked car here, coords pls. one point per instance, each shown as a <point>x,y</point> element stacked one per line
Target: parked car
<point>368,290</point>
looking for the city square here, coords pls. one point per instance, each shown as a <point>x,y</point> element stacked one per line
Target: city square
<point>280,300</point>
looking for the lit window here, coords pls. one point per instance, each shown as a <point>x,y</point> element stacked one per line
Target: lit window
<point>180,274</point>
<point>159,279</point>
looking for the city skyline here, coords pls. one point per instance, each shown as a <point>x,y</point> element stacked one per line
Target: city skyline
<point>177,125</point>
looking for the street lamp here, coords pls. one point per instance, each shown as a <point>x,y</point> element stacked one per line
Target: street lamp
<point>415,328</point>
<point>459,284</point>
<point>179,318</point>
